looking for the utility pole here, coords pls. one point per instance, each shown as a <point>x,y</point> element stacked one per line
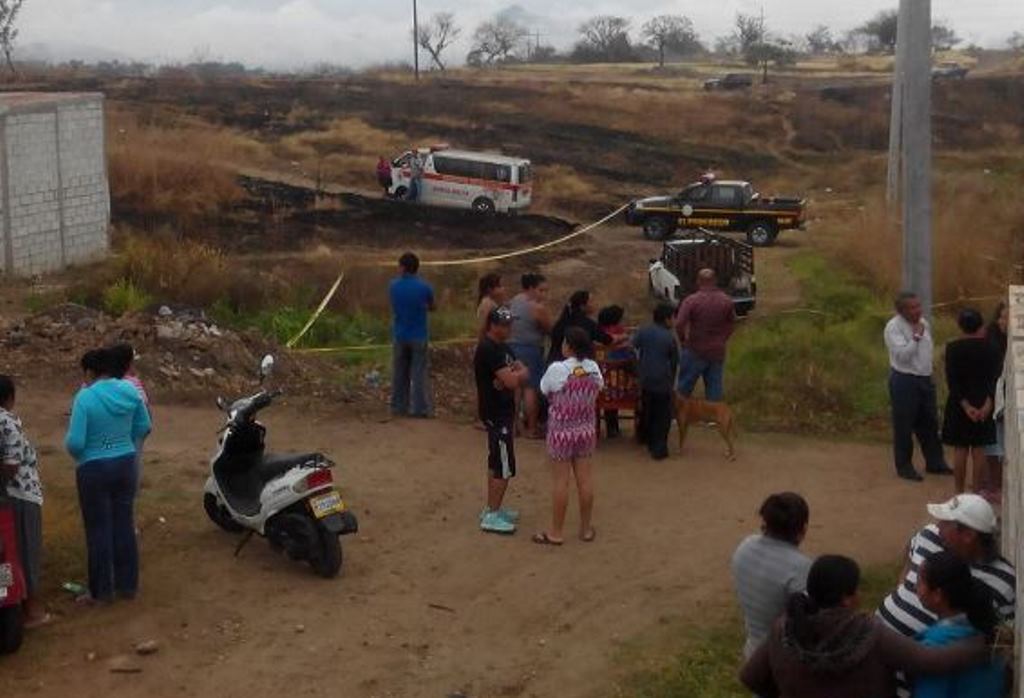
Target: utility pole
<point>416,39</point>
<point>916,147</point>
<point>895,172</point>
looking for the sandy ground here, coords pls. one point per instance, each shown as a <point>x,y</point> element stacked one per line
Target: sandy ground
<point>428,605</point>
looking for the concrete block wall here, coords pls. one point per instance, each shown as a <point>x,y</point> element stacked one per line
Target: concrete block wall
<point>56,202</point>
<point>1013,473</point>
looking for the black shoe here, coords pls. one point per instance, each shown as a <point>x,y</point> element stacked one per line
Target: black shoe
<point>912,475</point>
<point>944,470</point>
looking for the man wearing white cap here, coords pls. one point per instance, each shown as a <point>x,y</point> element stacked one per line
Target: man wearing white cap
<point>965,525</point>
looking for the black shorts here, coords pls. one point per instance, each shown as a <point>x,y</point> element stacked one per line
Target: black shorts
<point>501,454</point>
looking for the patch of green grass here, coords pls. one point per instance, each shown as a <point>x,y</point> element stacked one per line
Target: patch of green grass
<point>821,368</point>
<point>123,296</point>
<point>708,659</point>
<point>333,330</point>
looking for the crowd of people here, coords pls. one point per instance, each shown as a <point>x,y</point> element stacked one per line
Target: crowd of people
<point>932,636</point>
<point>536,375</point>
<point>108,424</point>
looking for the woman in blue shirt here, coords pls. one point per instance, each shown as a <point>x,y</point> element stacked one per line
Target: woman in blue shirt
<point>965,609</point>
<point>108,419</point>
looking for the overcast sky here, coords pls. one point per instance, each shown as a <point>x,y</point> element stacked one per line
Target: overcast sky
<point>296,33</point>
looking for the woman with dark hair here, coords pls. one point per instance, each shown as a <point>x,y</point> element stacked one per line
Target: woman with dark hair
<point>490,294</point>
<point>965,609</point>
<point>972,368</point>
<point>823,647</point>
<point>571,387</point>
<point>578,312</point>
<point>996,333</point>
<point>108,419</point>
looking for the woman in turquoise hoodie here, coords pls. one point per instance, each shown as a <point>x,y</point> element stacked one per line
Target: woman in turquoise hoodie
<point>107,419</point>
<point>965,609</point>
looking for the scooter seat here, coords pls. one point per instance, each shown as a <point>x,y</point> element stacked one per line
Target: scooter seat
<point>276,465</point>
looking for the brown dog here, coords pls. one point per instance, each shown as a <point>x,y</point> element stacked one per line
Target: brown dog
<point>692,411</point>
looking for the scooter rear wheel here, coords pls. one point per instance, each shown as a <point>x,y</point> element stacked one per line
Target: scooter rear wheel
<point>326,558</point>
<point>219,515</point>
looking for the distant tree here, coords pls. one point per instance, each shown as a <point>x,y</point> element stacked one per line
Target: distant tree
<point>750,30</point>
<point>770,53</point>
<point>671,32</point>
<point>9,10</point>
<point>544,54</point>
<point>1016,41</point>
<point>943,37</point>
<point>820,41</point>
<point>437,34</point>
<point>604,38</point>
<point>727,45</point>
<point>496,42</point>
<point>881,30</point>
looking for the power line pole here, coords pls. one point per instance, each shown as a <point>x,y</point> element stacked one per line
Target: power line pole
<point>916,149</point>
<point>892,185</point>
<point>416,39</point>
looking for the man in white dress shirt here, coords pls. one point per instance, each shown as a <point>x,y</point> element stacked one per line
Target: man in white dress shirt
<point>911,390</point>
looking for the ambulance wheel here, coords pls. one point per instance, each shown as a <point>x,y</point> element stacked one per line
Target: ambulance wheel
<point>483,205</point>
<point>219,515</point>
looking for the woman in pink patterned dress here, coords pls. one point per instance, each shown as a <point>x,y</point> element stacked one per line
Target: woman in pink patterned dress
<point>571,387</point>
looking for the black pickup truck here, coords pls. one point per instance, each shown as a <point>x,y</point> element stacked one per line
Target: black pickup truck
<point>724,206</point>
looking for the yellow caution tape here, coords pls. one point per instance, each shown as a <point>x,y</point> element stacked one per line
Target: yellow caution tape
<point>377,347</point>
<point>316,315</point>
<point>519,253</point>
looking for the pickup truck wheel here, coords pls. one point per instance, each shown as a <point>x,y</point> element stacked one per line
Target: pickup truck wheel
<point>762,233</point>
<point>658,228</point>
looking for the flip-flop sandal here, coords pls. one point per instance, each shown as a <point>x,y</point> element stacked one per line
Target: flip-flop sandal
<point>39,622</point>
<point>544,539</point>
<point>590,536</point>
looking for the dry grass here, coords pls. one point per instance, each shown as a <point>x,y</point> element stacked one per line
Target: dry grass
<point>174,169</point>
<point>345,152</point>
<point>978,236</point>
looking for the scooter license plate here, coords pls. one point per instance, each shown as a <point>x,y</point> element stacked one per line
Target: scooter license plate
<point>327,504</point>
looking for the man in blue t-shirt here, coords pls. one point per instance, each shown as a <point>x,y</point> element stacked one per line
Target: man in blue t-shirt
<point>411,299</point>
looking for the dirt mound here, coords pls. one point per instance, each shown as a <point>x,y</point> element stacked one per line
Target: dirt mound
<point>182,354</point>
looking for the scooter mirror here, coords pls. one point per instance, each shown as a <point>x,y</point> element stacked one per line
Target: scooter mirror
<point>266,367</point>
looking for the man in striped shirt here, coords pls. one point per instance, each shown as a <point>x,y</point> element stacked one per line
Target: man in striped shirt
<point>769,567</point>
<point>966,525</point>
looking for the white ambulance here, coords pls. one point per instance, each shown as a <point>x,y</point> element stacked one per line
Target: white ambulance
<point>483,182</point>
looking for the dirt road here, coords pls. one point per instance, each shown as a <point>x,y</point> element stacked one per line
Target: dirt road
<point>427,604</point>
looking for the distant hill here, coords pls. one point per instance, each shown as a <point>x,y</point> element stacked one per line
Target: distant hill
<point>63,53</point>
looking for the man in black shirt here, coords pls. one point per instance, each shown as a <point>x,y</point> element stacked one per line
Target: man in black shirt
<point>498,376</point>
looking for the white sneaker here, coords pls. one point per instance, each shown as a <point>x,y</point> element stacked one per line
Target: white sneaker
<point>494,522</point>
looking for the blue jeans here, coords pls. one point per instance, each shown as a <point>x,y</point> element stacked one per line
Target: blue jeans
<point>411,374</point>
<point>692,367</point>
<point>533,358</point>
<point>106,495</point>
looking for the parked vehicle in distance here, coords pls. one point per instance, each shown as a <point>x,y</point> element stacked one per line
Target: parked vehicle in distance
<point>674,276</point>
<point>721,205</point>
<point>483,182</point>
<point>949,71</point>
<point>730,81</point>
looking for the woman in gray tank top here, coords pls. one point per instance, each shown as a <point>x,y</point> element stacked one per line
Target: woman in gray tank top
<point>531,325</point>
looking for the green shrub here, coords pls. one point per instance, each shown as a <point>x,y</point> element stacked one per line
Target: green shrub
<point>123,296</point>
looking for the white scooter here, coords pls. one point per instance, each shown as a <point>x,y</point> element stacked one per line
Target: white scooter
<point>289,499</point>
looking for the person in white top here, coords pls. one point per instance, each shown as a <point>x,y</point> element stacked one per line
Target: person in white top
<point>911,390</point>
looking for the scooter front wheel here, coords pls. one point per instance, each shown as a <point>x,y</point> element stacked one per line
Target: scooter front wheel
<point>325,558</point>
<point>220,515</point>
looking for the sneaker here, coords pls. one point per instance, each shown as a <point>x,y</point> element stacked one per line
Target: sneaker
<point>494,522</point>
<point>510,515</point>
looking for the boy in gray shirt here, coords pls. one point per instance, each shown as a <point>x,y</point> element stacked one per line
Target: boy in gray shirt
<point>768,567</point>
<point>657,361</point>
